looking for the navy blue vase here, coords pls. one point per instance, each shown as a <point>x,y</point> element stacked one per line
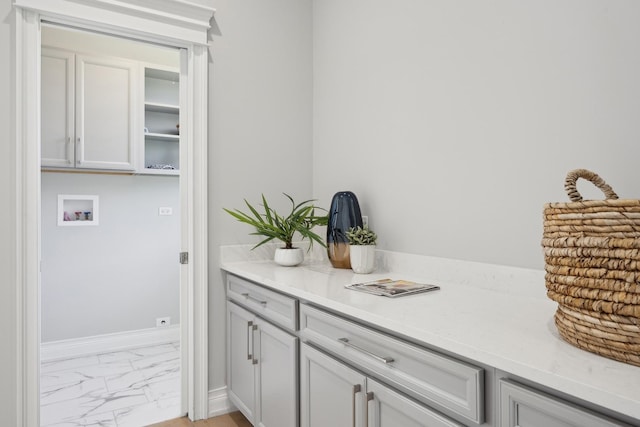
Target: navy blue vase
<point>343,215</point>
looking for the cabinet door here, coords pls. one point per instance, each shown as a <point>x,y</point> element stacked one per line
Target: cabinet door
<point>240,357</point>
<point>521,406</point>
<point>106,114</point>
<point>57,107</point>
<point>276,377</point>
<point>331,393</point>
<point>387,408</point>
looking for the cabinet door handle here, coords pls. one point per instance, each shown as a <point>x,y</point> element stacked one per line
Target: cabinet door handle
<point>249,341</point>
<point>382,359</point>
<point>366,408</point>
<point>259,301</point>
<point>254,361</point>
<point>70,150</point>
<point>79,152</point>
<point>356,389</point>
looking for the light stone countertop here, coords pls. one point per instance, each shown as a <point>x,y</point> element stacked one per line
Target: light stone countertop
<point>496,315</point>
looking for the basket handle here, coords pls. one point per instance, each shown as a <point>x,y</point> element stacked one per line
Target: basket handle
<point>572,191</point>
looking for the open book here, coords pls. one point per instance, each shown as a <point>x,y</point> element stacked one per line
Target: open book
<point>392,288</point>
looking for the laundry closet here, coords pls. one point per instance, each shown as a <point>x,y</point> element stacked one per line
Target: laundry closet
<point>110,197</point>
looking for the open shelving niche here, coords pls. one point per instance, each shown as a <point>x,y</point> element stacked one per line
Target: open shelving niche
<point>161,118</point>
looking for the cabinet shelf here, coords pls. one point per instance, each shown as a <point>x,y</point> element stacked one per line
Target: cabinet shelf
<point>161,117</point>
<point>164,136</point>
<point>161,108</point>
<point>151,171</point>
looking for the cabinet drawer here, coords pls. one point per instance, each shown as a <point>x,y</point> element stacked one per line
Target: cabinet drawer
<point>427,376</point>
<point>277,308</point>
<point>522,406</point>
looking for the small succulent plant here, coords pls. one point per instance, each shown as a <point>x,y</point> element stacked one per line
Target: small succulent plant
<point>361,236</point>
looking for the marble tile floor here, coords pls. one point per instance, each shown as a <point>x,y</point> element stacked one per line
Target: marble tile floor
<point>130,388</point>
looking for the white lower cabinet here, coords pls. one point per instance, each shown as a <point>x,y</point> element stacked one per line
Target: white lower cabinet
<point>447,385</point>
<point>353,375</point>
<point>262,369</point>
<point>521,406</point>
<point>333,394</point>
<point>387,408</point>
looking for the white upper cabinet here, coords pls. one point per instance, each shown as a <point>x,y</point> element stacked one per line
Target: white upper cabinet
<point>58,94</point>
<point>88,111</point>
<point>105,112</point>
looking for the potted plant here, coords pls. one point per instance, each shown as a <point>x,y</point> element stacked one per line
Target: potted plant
<point>362,249</point>
<point>272,225</point>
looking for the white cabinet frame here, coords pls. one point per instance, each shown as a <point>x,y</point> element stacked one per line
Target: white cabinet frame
<point>170,22</point>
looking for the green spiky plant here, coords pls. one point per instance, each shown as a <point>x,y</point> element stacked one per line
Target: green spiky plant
<point>272,225</point>
<point>361,236</point>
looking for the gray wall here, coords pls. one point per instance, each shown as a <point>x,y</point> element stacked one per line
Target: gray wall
<point>259,130</point>
<point>119,275</point>
<point>455,121</point>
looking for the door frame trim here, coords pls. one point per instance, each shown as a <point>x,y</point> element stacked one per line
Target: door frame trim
<point>26,198</point>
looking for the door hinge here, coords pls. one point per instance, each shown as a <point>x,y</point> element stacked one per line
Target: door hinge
<point>184,257</point>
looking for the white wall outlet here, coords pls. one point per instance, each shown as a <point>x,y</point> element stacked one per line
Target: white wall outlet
<point>163,321</point>
<point>365,221</point>
<point>165,211</point>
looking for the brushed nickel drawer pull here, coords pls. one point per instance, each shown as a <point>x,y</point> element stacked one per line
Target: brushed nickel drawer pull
<point>254,328</point>
<point>382,359</point>
<point>356,389</point>
<point>259,301</point>
<point>249,341</point>
<point>366,409</point>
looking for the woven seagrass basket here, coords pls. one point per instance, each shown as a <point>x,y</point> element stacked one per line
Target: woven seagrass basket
<point>592,264</point>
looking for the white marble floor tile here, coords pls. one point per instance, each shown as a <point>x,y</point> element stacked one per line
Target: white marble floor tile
<point>98,370</point>
<point>137,353</point>
<point>124,388</point>
<point>156,359</point>
<point>150,413</point>
<point>65,364</point>
<point>164,389</point>
<point>158,367</point>
<point>56,379</point>
<point>67,411</point>
<point>89,406</point>
<point>100,420</point>
<point>132,379</point>
<point>75,390</point>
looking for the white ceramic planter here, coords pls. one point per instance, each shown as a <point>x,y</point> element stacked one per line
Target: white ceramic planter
<point>363,258</point>
<point>288,257</point>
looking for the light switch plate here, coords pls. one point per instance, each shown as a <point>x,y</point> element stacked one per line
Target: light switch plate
<point>165,211</point>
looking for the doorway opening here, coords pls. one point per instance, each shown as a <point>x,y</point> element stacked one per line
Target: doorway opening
<point>184,28</point>
<point>110,224</point>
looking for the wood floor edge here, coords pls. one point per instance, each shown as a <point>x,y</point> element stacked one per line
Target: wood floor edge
<point>232,419</point>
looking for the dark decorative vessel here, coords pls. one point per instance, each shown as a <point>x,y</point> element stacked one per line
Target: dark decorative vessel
<point>343,214</point>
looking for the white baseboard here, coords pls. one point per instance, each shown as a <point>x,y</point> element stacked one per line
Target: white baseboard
<point>219,403</point>
<point>76,347</point>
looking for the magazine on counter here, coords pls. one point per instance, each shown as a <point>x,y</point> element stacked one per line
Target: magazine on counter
<point>392,288</point>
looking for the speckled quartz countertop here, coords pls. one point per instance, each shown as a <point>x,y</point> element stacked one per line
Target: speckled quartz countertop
<point>496,315</point>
